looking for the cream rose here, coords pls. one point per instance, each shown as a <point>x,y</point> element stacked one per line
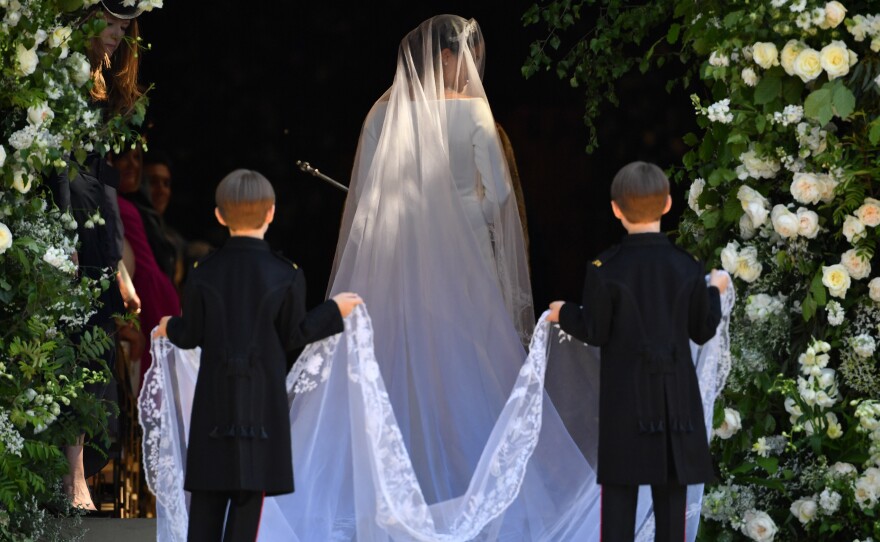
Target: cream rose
<point>5,238</point>
<point>2,156</point>
<point>856,265</point>
<point>758,526</point>
<point>746,228</point>
<point>808,65</point>
<point>806,188</point>
<point>874,289</point>
<point>785,223</point>
<point>804,510</point>
<point>729,256</point>
<point>836,278</point>
<point>834,13</point>
<point>27,59</point>
<point>853,229</point>
<point>748,268</point>
<point>694,195</point>
<point>80,69</point>
<point>842,469</point>
<point>829,184</point>
<point>21,181</point>
<point>835,59</point>
<point>765,54</point>
<point>731,425</point>
<point>789,54</point>
<point>808,223</point>
<point>749,77</point>
<point>40,113</point>
<point>869,212</point>
<point>754,204</point>
<point>60,37</point>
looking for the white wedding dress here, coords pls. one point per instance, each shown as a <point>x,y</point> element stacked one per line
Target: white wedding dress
<point>427,420</point>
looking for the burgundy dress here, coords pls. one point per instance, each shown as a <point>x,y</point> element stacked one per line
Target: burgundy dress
<point>156,291</point>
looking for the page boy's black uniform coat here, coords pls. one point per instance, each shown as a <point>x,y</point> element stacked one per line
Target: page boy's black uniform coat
<point>643,300</point>
<point>245,307</point>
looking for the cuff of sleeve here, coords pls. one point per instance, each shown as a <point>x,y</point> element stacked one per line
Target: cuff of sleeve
<point>568,315</point>
<point>171,329</point>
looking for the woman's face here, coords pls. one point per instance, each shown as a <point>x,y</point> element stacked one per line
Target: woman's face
<point>159,177</point>
<point>129,166</point>
<point>113,33</point>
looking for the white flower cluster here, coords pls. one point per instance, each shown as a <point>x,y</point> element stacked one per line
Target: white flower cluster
<point>819,390</point>
<point>815,358</point>
<point>868,414</point>
<point>719,59</point>
<point>60,259</point>
<point>9,436</point>
<point>756,167</point>
<point>792,114</point>
<point>835,313</point>
<point>863,345</point>
<point>767,446</point>
<point>741,263</point>
<point>811,139</point>
<point>720,112</point>
<point>866,488</point>
<point>5,238</point>
<point>761,306</point>
<point>862,27</point>
<point>728,503</point>
<point>694,193</point>
<point>42,409</point>
<point>730,426</point>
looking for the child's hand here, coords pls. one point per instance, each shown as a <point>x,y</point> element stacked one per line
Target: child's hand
<point>162,329</point>
<point>346,301</point>
<point>554,311</point>
<point>719,280</point>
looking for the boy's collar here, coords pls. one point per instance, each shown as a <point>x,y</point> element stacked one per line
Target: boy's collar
<point>647,238</point>
<point>242,241</point>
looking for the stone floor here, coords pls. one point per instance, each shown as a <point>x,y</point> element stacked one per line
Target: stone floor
<point>119,530</point>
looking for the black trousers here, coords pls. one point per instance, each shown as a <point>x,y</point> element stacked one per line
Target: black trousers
<point>619,504</point>
<point>239,510</point>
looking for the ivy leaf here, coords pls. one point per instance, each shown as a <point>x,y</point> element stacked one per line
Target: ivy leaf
<point>674,32</point>
<point>732,210</point>
<point>808,308</point>
<point>711,218</point>
<point>768,89</point>
<point>818,106</point>
<point>817,289</point>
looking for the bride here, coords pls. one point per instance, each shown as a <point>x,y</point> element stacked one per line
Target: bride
<point>427,419</point>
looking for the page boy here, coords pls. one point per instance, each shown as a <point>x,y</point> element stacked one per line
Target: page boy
<point>643,300</point>
<point>245,307</point>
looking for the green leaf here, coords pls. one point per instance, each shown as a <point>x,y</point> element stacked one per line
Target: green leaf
<point>843,101</point>
<point>817,289</point>
<point>769,464</point>
<point>673,33</point>
<point>711,218</point>
<point>818,106</point>
<point>732,210</point>
<point>768,89</point>
<point>874,134</point>
<point>808,308</point>
<point>731,19</point>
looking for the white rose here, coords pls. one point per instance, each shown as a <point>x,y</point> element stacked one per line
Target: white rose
<point>808,223</point>
<point>785,223</point>
<point>748,268</point>
<point>729,256</point>
<point>874,289</point>
<point>835,59</point>
<point>836,279</point>
<point>40,113</point>
<point>790,52</point>
<point>806,188</point>
<point>27,59</point>
<point>731,425</point>
<point>856,265</point>
<point>149,5</point>
<point>829,183</point>
<point>694,194</point>
<point>5,238</point>
<point>808,65</point>
<point>853,229</point>
<point>869,213</point>
<point>863,345</point>
<point>21,181</point>
<point>804,510</point>
<point>719,59</point>
<point>80,69</point>
<point>749,77</point>
<point>746,229</point>
<point>758,526</point>
<point>853,58</point>
<point>754,204</point>
<point>765,54</point>
<point>59,38</point>
<point>865,494</point>
<point>842,469</point>
<point>834,13</point>
<point>2,156</point>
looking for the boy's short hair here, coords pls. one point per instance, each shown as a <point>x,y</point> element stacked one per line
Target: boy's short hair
<point>243,198</point>
<point>640,190</point>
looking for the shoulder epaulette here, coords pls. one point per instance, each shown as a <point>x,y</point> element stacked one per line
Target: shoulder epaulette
<point>285,260</point>
<point>605,256</point>
<point>689,255</point>
<point>203,259</point>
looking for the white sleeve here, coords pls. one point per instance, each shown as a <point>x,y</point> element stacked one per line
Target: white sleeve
<point>490,160</point>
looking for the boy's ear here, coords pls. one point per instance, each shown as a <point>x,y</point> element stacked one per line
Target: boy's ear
<point>270,214</point>
<point>219,216</point>
<point>668,204</point>
<point>616,210</point>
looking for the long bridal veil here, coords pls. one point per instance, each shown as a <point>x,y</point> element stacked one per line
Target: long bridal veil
<point>426,420</point>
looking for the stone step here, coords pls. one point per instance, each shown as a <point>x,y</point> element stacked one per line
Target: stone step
<point>118,530</point>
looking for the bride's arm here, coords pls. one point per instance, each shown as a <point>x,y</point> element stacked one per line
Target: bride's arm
<point>490,161</point>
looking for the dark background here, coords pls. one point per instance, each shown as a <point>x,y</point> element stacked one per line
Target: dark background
<point>262,85</point>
